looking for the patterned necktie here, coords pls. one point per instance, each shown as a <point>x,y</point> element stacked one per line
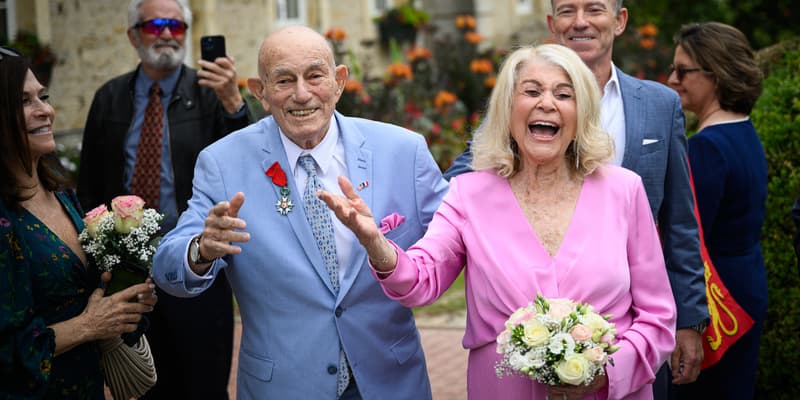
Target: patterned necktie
<point>147,167</point>
<point>322,227</point>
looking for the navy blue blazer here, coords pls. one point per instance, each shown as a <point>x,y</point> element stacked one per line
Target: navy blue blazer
<point>655,149</point>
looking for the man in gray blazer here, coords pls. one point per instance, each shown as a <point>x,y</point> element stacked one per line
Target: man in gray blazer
<point>646,121</point>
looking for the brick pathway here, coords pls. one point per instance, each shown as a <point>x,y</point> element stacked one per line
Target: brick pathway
<point>441,340</point>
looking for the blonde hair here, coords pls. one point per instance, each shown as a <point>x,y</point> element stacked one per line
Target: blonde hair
<point>493,147</point>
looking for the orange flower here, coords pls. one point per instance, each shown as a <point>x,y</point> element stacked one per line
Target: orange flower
<point>444,98</point>
<point>241,83</point>
<point>647,43</point>
<point>400,70</point>
<point>465,22</point>
<point>473,37</point>
<point>481,66</point>
<point>418,53</point>
<point>648,30</point>
<point>490,81</point>
<point>336,34</point>
<point>353,86</point>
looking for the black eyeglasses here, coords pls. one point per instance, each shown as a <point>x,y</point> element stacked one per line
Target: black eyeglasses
<point>8,52</point>
<point>680,72</point>
<point>157,25</point>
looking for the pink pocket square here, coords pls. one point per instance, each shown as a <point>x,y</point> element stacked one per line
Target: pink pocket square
<point>390,222</point>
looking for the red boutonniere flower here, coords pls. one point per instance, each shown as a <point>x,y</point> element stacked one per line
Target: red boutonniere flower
<point>284,204</point>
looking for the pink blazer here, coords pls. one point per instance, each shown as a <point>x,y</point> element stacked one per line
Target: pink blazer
<point>610,257</point>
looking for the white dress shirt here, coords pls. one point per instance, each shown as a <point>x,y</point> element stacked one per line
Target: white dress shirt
<point>612,115</point>
<point>330,159</point>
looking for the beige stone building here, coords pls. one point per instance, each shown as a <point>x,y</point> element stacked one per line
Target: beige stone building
<point>90,43</point>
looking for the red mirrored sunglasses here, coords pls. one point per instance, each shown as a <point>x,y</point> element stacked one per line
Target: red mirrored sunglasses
<point>157,25</point>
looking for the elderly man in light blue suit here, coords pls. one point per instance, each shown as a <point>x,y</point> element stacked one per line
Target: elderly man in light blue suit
<point>646,121</point>
<point>316,324</point>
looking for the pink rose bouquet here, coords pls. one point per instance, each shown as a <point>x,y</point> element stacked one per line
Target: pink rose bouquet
<point>556,341</point>
<point>122,241</point>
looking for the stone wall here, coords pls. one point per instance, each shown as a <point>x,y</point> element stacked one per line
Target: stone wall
<point>91,45</point>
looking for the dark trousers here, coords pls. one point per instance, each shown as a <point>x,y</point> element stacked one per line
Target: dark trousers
<point>192,344</point>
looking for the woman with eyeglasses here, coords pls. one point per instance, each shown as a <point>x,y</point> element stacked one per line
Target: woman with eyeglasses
<point>717,78</point>
<point>51,311</point>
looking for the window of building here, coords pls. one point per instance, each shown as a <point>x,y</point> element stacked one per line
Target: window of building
<point>290,12</point>
<point>380,6</point>
<point>524,6</point>
<point>8,20</point>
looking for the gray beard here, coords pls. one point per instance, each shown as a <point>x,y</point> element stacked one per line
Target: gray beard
<point>166,59</point>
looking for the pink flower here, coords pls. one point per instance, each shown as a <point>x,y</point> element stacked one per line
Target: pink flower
<point>5,223</point>
<point>390,222</point>
<point>128,211</point>
<point>581,332</point>
<point>94,217</point>
<point>560,308</point>
<point>595,354</point>
<point>502,340</point>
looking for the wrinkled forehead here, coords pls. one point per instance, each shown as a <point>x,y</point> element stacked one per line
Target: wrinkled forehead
<point>611,4</point>
<point>284,60</point>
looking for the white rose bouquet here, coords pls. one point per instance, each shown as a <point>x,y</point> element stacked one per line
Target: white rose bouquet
<point>555,342</point>
<point>122,241</point>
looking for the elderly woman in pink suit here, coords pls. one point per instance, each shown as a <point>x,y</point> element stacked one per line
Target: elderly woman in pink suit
<point>541,214</point>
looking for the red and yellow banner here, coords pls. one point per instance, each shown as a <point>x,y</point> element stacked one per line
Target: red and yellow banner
<point>728,320</point>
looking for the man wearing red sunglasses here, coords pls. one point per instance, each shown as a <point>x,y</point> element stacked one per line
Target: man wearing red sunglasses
<point>143,134</point>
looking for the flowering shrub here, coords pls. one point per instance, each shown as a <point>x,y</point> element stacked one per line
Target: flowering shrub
<point>644,52</point>
<point>437,92</point>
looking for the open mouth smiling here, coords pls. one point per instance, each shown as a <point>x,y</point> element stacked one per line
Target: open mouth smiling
<point>40,131</point>
<point>543,130</point>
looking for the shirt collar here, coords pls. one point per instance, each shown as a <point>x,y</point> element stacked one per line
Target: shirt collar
<point>167,85</point>
<point>323,153</point>
<point>613,83</point>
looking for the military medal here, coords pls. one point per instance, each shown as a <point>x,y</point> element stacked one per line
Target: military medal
<point>284,203</point>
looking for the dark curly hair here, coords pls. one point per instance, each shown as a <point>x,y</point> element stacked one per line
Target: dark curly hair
<point>724,50</point>
<point>14,149</point>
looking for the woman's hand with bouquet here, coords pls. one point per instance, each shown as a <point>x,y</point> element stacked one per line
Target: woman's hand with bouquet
<point>558,342</point>
<point>572,392</point>
<point>110,316</point>
<point>106,317</point>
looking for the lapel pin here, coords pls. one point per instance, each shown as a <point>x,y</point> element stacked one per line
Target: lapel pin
<point>363,185</point>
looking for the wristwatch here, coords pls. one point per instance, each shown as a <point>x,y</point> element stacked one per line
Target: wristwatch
<point>701,327</point>
<point>194,252</point>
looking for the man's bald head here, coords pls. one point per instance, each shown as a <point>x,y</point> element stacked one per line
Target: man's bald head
<point>292,38</point>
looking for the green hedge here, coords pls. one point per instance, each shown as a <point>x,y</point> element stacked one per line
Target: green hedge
<point>777,119</point>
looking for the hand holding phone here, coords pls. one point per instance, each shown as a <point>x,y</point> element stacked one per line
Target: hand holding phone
<point>212,47</point>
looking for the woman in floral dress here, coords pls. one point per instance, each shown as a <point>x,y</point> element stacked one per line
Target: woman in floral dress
<point>51,310</point>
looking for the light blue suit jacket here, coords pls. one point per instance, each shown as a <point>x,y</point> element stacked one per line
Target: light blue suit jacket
<point>292,322</point>
<point>655,148</point>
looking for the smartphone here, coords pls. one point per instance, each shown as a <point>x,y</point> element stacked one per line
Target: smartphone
<point>212,47</point>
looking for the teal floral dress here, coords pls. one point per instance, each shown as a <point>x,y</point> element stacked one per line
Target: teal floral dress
<point>43,282</point>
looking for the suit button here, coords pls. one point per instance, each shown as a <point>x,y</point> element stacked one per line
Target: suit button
<point>339,311</point>
<point>332,369</point>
